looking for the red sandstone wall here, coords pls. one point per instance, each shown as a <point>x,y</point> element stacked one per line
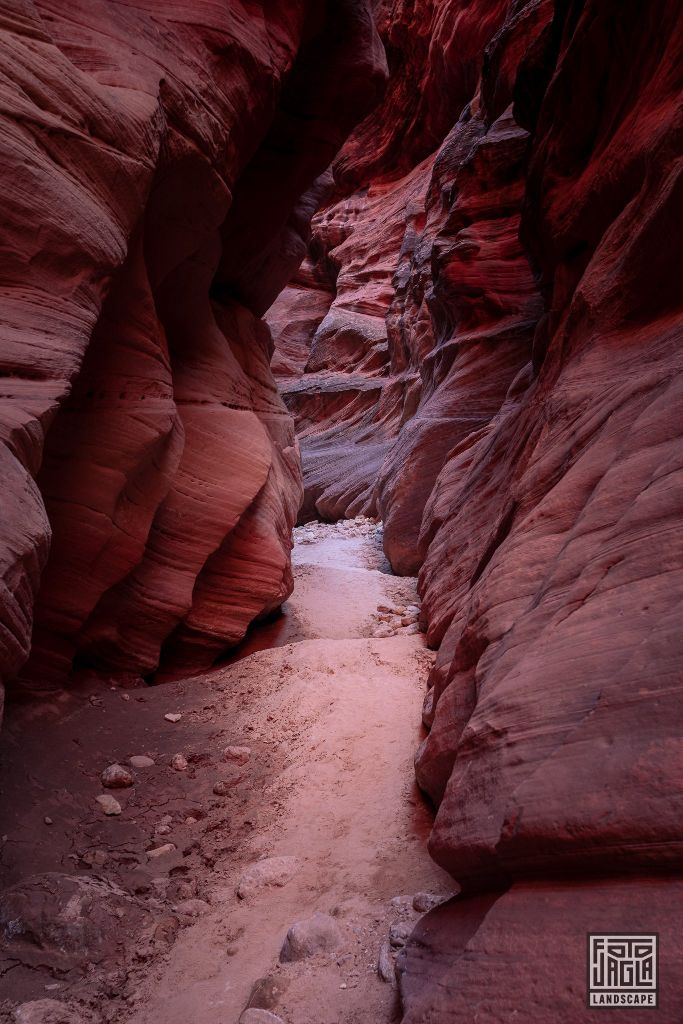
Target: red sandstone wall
<point>150,470</point>
<point>498,375</point>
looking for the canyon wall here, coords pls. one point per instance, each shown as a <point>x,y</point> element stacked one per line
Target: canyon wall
<point>159,172</point>
<point>489,326</point>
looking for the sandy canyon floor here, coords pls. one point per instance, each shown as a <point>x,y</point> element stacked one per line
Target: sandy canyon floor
<point>320,816</point>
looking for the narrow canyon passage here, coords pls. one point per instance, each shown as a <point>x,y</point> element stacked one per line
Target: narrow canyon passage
<point>325,802</point>
<point>276,272</point>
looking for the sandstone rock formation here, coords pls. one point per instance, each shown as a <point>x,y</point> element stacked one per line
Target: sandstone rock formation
<point>498,375</point>
<point>158,175</point>
<point>481,344</point>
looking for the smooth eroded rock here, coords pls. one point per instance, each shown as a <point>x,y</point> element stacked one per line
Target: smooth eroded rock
<point>272,871</point>
<point>319,933</point>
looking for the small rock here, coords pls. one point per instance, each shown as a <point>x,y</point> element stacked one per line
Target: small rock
<point>47,820</point>
<point>238,755</point>
<point>95,858</point>
<point>116,777</point>
<point>179,762</point>
<point>316,934</point>
<point>162,830</point>
<point>408,620</point>
<point>412,629</point>
<point>399,933</point>
<point>385,965</point>
<point>382,632</point>
<point>108,804</point>
<point>46,1011</point>
<point>384,608</point>
<point>426,901</point>
<point>413,609</point>
<point>221,788</point>
<point>192,907</point>
<point>267,992</point>
<point>255,1016</point>
<point>404,906</point>
<point>271,871</point>
<point>173,716</point>
<point>140,761</point>
<point>160,851</point>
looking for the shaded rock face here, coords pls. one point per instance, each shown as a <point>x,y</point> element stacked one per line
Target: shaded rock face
<point>498,375</point>
<point>524,951</point>
<point>431,299</point>
<point>150,471</point>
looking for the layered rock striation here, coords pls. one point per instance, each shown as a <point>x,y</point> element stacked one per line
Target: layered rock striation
<point>498,375</point>
<point>158,175</point>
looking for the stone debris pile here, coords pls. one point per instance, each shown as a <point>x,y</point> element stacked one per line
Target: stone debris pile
<point>316,530</point>
<point>396,620</point>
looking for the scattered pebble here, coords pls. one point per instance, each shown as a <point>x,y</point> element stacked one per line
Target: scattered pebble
<point>173,716</point>
<point>116,777</point>
<point>160,851</point>
<point>140,761</point>
<point>179,762</point>
<point>238,755</point>
<point>191,907</point>
<point>95,858</point>
<point>221,788</point>
<point>47,820</point>
<point>108,804</point>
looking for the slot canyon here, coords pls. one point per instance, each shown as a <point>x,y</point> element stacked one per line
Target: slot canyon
<point>341,547</point>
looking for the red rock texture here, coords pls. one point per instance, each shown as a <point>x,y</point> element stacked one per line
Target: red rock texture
<point>525,278</point>
<point>150,468</point>
<point>522,954</point>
